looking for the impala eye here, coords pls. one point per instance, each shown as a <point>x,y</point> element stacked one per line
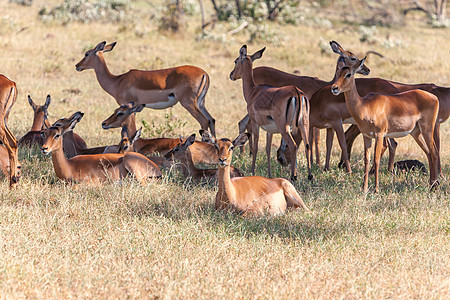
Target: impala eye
<point>352,58</point>
<point>86,54</point>
<point>119,113</point>
<point>57,136</point>
<point>231,147</point>
<point>348,75</point>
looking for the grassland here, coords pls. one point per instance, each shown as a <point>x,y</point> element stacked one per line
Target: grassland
<point>165,240</point>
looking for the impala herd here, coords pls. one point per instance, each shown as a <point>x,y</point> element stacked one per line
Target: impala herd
<point>278,102</point>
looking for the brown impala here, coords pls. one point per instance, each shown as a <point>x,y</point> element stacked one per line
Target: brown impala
<point>377,116</point>
<point>157,89</point>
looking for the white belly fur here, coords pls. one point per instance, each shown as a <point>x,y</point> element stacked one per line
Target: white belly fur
<point>349,121</point>
<point>171,101</point>
<point>397,134</point>
<point>271,127</point>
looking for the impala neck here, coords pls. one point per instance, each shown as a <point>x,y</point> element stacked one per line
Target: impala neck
<point>38,122</point>
<point>61,163</point>
<point>224,180</point>
<point>248,83</point>
<point>106,80</point>
<point>353,100</point>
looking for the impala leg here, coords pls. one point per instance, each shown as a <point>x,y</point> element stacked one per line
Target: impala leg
<point>305,130</point>
<point>198,115</point>
<point>350,136</point>
<point>243,125</point>
<point>10,143</point>
<point>437,141</point>
<point>377,157</point>
<point>330,135</point>
<point>292,151</point>
<point>268,148</point>
<point>341,139</point>
<point>316,138</point>
<point>255,132</point>
<point>425,140</point>
<point>367,146</point>
<point>392,145</point>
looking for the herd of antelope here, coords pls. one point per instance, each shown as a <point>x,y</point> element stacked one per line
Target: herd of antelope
<point>278,102</point>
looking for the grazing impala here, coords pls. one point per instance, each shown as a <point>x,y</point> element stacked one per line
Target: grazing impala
<point>309,85</point>
<point>182,153</point>
<point>40,121</point>
<point>157,89</point>
<point>377,116</point>
<point>124,116</point>
<point>275,109</point>
<point>95,168</point>
<point>8,96</point>
<point>253,195</point>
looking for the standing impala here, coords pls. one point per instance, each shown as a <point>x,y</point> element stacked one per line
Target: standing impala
<point>253,195</point>
<point>377,116</point>
<point>275,109</point>
<point>157,89</point>
<point>8,96</point>
<point>94,168</point>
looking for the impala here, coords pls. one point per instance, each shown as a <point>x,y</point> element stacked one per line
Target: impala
<point>377,116</point>
<point>275,109</point>
<point>253,195</point>
<point>309,85</point>
<point>94,168</point>
<point>124,116</point>
<point>8,96</point>
<point>40,121</point>
<point>127,145</point>
<point>157,89</point>
<point>182,153</point>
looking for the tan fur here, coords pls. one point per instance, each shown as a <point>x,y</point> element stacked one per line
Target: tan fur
<point>158,88</point>
<point>253,195</point>
<point>378,115</point>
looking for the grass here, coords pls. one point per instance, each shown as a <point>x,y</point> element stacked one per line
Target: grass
<point>165,240</point>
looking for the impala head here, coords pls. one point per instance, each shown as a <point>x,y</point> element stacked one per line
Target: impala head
<point>225,146</point>
<point>181,147</point>
<point>40,113</point>
<point>93,56</point>
<point>244,60</point>
<point>126,144</point>
<point>53,137</point>
<point>347,58</point>
<point>345,78</point>
<point>120,115</point>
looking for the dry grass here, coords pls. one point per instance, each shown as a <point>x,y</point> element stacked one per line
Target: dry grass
<point>165,239</point>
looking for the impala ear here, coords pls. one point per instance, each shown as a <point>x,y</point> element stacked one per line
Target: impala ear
<point>47,101</point>
<point>241,139</point>
<point>337,48</point>
<point>361,65</point>
<point>33,105</point>
<point>189,141</point>
<point>243,51</point>
<point>109,47</point>
<point>70,127</point>
<point>77,116</point>
<point>257,54</point>
<point>137,108</point>
<point>207,137</point>
<point>100,46</point>
<point>136,136</point>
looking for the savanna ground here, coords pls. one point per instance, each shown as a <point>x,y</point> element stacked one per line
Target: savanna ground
<point>165,239</point>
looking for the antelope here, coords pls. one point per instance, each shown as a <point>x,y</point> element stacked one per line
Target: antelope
<point>70,142</point>
<point>253,195</point>
<point>309,85</point>
<point>127,145</point>
<point>124,116</point>
<point>40,121</point>
<point>94,168</point>
<point>157,89</point>
<point>275,109</point>
<point>377,116</point>
<point>4,163</point>
<point>8,96</point>
<point>443,94</point>
<point>182,153</point>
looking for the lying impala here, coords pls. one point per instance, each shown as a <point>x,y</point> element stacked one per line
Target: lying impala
<point>95,168</point>
<point>127,145</point>
<point>8,96</point>
<point>124,116</point>
<point>309,85</point>
<point>40,122</point>
<point>275,109</point>
<point>182,153</point>
<point>377,116</point>
<point>157,89</point>
<point>252,195</point>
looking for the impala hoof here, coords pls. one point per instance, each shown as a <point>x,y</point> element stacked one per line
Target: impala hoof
<point>15,179</point>
<point>294,178</point>
<point>341,164</point>
<point>434,185</point>
<point>310,177</point>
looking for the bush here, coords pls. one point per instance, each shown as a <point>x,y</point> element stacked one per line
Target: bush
<point>86,11</point>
